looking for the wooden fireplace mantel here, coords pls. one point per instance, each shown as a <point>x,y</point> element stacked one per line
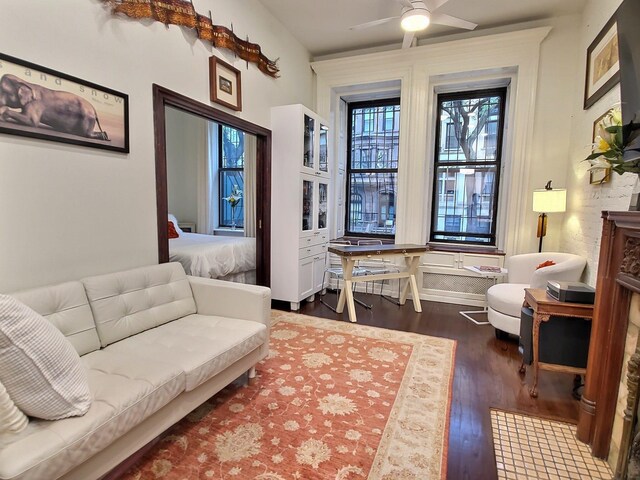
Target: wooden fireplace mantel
<point>618,277</point>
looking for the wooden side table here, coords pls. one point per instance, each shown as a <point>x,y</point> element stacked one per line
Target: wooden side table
<point>544,307</point>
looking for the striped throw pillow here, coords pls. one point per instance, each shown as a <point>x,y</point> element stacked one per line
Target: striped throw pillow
<point>39,368</point>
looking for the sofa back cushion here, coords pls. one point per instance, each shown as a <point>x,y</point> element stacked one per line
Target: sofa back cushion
<point>130,302</point>
<point>66,306</point>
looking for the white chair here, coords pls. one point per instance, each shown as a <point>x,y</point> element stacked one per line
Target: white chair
<point>333,268</point>
<point>504,300</point>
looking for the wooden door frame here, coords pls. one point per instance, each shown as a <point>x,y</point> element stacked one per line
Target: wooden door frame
<point>163,97</point>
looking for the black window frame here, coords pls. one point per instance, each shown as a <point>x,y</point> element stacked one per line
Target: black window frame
<point>221,170</point>
<point>492,235</point>
<point>395,101</point>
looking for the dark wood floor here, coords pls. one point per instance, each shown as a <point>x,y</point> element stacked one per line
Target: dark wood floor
<point>486,376</point>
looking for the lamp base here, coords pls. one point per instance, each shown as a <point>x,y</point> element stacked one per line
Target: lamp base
<point>542,229</point>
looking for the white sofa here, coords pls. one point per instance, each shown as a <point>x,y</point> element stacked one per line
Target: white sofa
<point>504,300</point>
<point>156,344</point>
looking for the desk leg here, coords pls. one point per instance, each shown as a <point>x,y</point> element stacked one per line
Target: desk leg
<point>346,294</point>
<point>537,320</point>
<point>413,267</point>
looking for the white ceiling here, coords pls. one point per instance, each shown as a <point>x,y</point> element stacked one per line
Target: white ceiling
<point>322,26</point>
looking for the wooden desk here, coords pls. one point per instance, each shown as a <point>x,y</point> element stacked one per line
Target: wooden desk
<point>350,254</point>
<point>544,307</point>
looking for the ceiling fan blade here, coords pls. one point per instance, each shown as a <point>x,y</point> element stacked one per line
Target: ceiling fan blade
<point>444,19</point>
<point>408,39</point>
<point>434,4</point>
<point>373,23</point>
<point>407,3</point>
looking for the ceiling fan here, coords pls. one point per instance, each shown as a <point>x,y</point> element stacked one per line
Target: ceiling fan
<point>416,15</point>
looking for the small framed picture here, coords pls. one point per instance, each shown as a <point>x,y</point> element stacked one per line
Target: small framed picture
<point>603,64</point>
<point>597,177</point>
<point>224,84</point>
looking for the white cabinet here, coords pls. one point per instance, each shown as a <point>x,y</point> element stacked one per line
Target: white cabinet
<point>300,184</point>
<point>443,277</point>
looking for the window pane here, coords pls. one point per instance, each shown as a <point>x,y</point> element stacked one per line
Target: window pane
<point>373,199</point>
<point>373,145</point>
<point>469,129</point>
<point>232,148</point>
<point>232,196</point>
<point>464,204</point>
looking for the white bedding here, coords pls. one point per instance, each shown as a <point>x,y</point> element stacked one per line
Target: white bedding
<point>213,256</point>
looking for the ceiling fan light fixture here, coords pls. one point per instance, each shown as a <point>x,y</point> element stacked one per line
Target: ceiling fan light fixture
<point>415,19</point>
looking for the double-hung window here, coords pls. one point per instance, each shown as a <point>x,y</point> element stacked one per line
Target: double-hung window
<point>467,166</point>
<point>372,167</point>
<point>231,176</point>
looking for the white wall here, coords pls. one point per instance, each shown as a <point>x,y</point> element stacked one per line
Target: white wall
<point>186,150</point>
<point>73,211</point>
<point>583,224</point>
<point>543,95</point>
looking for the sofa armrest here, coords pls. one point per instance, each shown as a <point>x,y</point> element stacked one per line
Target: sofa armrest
<point>233,300</point>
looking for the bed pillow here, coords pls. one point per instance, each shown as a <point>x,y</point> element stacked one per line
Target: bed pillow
<point>12,420</point>
<point>173,219</point>
<point>172,230</point>
<point>39,368</point>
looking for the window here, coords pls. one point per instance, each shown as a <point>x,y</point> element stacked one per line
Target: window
<point>467,166</point>
<point>372,167</point>
<point>231,176</point>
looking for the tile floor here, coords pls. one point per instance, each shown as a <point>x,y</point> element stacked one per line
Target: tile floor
<point>534,448</point>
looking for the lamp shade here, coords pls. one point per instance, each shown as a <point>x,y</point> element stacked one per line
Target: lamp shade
<point>550,201</point>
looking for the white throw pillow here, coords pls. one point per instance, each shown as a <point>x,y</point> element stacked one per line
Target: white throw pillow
<point>12,420</point>
<point>39,368</point>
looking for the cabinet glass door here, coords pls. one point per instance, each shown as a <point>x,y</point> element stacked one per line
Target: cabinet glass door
<point>309,133</point>
<point>323,162</point>
<point>307,205</point>
<point>323,190</point>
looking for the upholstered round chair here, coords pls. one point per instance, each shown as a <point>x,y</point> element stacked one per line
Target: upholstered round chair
<point>504,300</point>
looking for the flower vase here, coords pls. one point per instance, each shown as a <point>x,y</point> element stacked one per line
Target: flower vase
<point>233,217</point>
<point>634,203</point>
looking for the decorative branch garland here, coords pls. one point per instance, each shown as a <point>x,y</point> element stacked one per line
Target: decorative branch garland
<point>183,13</point>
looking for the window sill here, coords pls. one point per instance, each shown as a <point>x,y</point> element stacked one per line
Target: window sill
<point>459,248</point>
<point>229,232</point>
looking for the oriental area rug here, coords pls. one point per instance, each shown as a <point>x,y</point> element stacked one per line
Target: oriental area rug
<point>332,401</point>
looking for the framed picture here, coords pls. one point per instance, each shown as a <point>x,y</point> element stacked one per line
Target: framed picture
<point>224,84</point>
<point>597,177</point>
<point>603,64</point>
<point>42,103</point>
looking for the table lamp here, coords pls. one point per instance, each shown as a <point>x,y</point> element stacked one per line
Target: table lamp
<point>548,200</point>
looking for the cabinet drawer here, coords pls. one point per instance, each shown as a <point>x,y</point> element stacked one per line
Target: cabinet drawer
<point>312,250</point>
<point>441,259</point>
<point>313,239</point>
<point>470,259</point>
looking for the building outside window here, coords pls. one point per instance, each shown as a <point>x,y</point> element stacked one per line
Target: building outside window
<point>372,167</point>
<point>230,175</point>
<point>467,166</point>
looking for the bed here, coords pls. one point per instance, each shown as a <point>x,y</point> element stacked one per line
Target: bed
<point>213,256</point>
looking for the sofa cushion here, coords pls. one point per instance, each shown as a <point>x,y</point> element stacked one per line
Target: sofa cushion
<point>201,345</point>
<point>126,390</point>
<point>66,306</point>
<point>11,418</point>
<point>507,298</point>
<point>38,366</point>
<point>130,302</point>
